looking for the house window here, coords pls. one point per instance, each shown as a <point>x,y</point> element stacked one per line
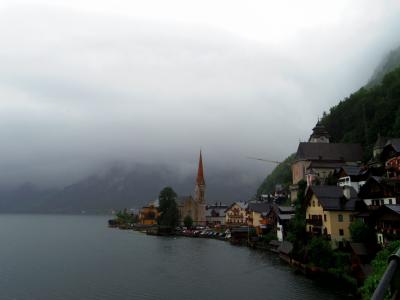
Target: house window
<point>309,216</point>
<point>390,201</point>
<point>324,217</point>
<point>340,218</point>
<point>351,218</point>
<point>309,228</point>
<point>341,232</point>
<point>313,203</point>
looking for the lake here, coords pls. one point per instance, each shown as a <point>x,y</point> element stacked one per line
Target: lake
<point>79,257</point>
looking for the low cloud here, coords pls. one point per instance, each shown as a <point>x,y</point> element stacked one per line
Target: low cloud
<point>82,84</point>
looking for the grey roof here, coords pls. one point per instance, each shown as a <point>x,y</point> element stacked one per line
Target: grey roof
<point>285,216</point>
<point>325,164</point>
<point>376,178</point>
<point>286,209</point>
<point>395,208</point>
<point>286,247</point>
<point>319,130</point>
<point>242,204</point>
<point>240,229</point>
<point>359,248</point>
<point>352,170</point>
<point>260,207</point>
<point>275,243</point>
<point>395,144</point>
<point>331,197</point>
<point>329,151</point>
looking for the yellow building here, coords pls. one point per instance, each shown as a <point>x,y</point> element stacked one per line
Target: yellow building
<point>148,214</point>
<point>255,212</point>
<point>330,211</point>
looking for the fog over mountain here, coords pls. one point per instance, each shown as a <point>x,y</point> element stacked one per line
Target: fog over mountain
<point>87,85</point>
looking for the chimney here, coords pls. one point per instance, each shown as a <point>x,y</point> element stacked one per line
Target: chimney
<point>347,192</point>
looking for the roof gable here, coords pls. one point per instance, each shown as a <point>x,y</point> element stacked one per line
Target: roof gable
<point>241,205</point>
<point>331,197</point>
<point>259,207</point>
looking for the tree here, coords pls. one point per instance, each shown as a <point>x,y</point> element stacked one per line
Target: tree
<point>126,217</point>
<point>361,232</point>
<point>282,174</point>
<point>319,253</point>
<point>297,227</point>
<point>169,213</point>
<point>379,265</point>
<point>367,112</point>
<point>188,221</point>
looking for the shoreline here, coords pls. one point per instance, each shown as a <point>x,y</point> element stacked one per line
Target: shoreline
<point>312,272</point>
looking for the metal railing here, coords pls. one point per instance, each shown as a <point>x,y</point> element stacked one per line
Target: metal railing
<point>390,279</point>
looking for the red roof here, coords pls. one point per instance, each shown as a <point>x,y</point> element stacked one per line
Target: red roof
<point>200,172</point>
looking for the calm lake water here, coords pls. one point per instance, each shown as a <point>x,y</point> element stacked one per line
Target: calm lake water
<point>79,257</point>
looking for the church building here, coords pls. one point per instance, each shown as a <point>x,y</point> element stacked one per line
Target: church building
<point>195,207</point>
<point>318,158</point>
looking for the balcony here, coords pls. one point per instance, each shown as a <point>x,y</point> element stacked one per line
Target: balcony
<point>314,222</point>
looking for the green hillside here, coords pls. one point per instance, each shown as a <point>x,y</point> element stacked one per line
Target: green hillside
<point>359,118</point>
<point>367,113</point>
<point>280,175</point>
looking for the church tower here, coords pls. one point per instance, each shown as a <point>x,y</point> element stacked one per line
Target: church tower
<point>199,194</point>
<point>320,134</point>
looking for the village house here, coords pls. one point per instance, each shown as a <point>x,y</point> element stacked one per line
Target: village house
<point>391,156</point>
<point>286,213</point>
<point>354,176</point>
<point>236,215</point>
<point>215,214</point>
<point>277,220</point>
<point>330,211</point>
<point>376,161</point>
<point>377,191</point>
<point>387,220</point>
<point>317,159</point>
<point>148,214</point>
<point>255,211</point>
<point>361,256</point>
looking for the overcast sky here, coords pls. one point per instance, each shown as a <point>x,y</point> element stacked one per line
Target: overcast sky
<point>84,83</point>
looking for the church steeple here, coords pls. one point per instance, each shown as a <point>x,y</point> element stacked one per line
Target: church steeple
<point>320,134</point>
<point>200,172</point>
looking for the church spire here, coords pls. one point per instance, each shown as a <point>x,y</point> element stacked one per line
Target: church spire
<point>200,173</point>
<point>320,134</point>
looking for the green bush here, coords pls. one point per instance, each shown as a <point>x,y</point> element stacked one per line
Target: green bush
<point>379,265</point>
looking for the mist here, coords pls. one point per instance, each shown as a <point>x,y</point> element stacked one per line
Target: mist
<point>85,85</point>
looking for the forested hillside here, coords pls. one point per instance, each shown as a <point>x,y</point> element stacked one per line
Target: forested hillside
<point>372,110</point>
<point>367,113</point>
<point>280,175</point>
